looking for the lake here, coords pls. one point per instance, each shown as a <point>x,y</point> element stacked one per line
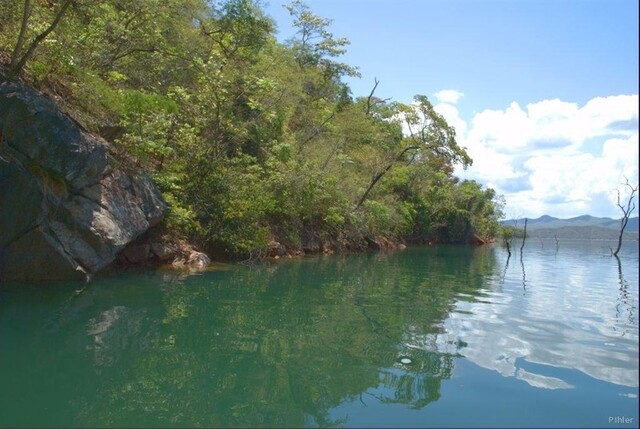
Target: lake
<point>440,336</point>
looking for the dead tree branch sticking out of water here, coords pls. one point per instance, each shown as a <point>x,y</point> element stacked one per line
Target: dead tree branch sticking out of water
<point>524,236</point>
<point>626,212</point>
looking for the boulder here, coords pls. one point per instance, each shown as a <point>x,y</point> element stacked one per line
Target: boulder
<point>198,261</point>
<point>164,251</point>
<point>67,207</point>
<point>276,249</point>
<point>137,254</point>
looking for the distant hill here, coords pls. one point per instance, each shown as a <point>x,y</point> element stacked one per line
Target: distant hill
<point>581,233</point>
<point>584,227</point>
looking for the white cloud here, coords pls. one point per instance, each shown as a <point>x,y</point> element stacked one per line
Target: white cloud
<point>448,96</point>
<point>553,157</point>
<point>450,113</point>
<point>496,337</point>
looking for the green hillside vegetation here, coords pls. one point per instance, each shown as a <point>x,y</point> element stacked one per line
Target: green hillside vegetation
<point>251,141</point>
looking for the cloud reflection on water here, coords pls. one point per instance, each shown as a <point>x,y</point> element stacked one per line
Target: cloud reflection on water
<point>566,318</point>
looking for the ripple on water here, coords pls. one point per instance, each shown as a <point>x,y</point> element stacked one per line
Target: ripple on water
<point>571,310</point>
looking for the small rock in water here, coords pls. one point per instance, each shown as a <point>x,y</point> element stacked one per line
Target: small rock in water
<point>405,360</point>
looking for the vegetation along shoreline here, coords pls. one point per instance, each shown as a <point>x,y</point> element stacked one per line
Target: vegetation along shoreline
<point>256,148</point>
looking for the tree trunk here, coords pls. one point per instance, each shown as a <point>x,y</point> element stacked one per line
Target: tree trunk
<point>17,65</point>
<point>371,185</point>
<point>524,238</point>
<point>378,176</point>
<point>626,212</point>
<point>26,14</point>
<point>623,225</point>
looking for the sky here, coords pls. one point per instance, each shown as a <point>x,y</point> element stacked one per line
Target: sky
<point>543,93</point>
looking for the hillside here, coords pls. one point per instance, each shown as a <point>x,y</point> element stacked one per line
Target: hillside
<point>259,148</point>
<point>582,227</point>
<point>581,233</point>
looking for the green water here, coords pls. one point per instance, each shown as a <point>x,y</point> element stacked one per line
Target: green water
<point>434,336</point>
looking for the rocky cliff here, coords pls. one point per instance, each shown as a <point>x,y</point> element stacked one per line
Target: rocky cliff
<point>66,206</point>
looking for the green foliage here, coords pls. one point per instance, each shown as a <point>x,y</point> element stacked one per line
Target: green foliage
<point>150,121</point>
<point>316,45</point>
<point>377,218</point>
<point>251,140</point>
<point>180,217</point>
<point>507,232</point>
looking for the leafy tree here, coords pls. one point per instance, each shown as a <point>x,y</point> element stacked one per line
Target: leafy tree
<point>481,207</point>
<point>250,140</point>
<point>430,139</point>
<point>22,51</point>
<point>316,46</point>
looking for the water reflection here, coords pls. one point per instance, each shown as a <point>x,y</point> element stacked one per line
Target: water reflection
<point>286,344</point>
<point>259,346</point>
<point>117,331</point>
<point>569,319</point>
<point>524,274</point>
<point>625,299</point>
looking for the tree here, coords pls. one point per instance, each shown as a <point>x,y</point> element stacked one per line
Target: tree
<point>626,212</point>
<point>250,140</point>
<point>239,29</point>
<point>481,207</point>
<point>316,45</point>
<point>507,237</point>
<point>20,55</point>
<point>429,139</point>
<point>524,238</point>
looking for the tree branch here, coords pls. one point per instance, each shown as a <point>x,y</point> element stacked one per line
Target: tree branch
<point>16,69</point>
<point>379,175</point>
<point>524,237</point>
<point>318,129</point>
<point>626,213</point>
<point>371,95</point>
<point>26,14</point>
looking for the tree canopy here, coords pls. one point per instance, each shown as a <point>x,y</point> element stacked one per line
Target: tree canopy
<point>252,141</point>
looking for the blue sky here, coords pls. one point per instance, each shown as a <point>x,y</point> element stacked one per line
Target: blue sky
<point>543,93</point>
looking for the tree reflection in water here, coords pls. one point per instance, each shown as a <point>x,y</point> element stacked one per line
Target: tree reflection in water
<point>282,344</point>
<point>419,386</point>
<point>328,341</point>
<point>625,302</point>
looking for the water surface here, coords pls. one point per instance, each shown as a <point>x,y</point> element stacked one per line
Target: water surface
<point>431,336</point>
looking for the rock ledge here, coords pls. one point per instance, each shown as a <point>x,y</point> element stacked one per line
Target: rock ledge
<point>66,205</point>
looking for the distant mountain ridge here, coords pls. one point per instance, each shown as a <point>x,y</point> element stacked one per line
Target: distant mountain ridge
<point>585,227</point>
<point>547,221</point>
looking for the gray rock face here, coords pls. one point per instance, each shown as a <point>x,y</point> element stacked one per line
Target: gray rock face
<point>66,208</point>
